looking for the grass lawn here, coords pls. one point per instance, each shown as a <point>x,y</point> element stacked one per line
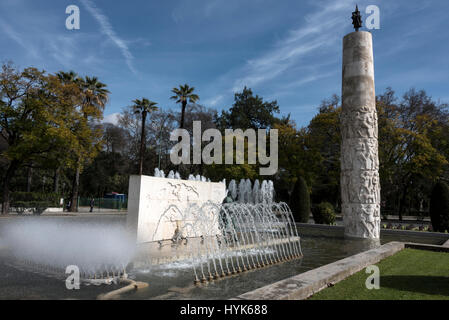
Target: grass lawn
<point>409,274</point>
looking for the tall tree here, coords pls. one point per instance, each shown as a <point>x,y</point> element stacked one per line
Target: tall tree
<point>410,156</point>
<point>295,158</point>
<point>159,125</point>
<point>323,145</point>
<point>184,94</point>
<point>94,97</point>
<point>143,107</point>
<point>114,138</point>
<point>36,115</point>
<point>249,111</point>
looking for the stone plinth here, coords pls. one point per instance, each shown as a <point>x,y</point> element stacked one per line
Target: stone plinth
<point>360,188</point>
<point>158,206</point>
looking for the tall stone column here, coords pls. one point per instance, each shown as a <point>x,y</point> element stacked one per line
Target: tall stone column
<point>360,188</point>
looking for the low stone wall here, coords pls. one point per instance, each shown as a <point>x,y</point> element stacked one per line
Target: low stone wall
<point>428,247</point>
<point>423,236</point>
<point>321,230</point>
<point>306,284</point>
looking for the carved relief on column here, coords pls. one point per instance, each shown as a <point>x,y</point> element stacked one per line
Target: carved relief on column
<point>359,123</point>
<point>359,154</point>
<point>360,187</point>
<point>362,220</point>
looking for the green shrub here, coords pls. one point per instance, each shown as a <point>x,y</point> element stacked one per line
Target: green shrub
<point>300,201</point>
<point>324,213</point>
<point>51,199</point>
<point>439,207</point>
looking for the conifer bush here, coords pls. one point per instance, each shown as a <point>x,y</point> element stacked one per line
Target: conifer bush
<point>439,207</point>
<point>300,201</point>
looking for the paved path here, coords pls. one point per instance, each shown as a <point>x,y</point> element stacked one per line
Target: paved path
<point>104,212</point>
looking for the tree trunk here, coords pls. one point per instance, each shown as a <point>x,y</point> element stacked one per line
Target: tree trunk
<point>56,180</point>
<point>183,111</point>
<point>402,203</point>
<point>75,189</point>
<point>5,201</point>
<point>29,178</point>
<point>9,174</point>
<point>142,143</point>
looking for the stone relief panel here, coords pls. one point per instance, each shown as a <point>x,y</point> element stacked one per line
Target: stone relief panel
<point>359,124</point>
<point>178,191</point>
<point>361,187</point>
<point>362,220</point>
<point>359,154</point>
<point>157,207</point>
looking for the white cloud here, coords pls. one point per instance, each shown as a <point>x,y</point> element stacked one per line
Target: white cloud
<point>108,30</point>
<point>45,44</point>
<point>111,118</point>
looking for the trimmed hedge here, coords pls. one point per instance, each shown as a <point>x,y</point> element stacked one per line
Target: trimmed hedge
<point>50,199</point>
<point>323,213</point>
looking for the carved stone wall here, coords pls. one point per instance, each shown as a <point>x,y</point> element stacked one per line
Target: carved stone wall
<point>158,206</point>
<point>360,187</point>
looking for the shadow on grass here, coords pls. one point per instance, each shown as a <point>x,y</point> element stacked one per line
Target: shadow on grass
<point>421,284</point>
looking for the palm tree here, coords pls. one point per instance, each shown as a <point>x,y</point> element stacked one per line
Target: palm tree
<point>143,107</point>
<point>95,94</point>
<point>68,77</point>
<point>94,98</point>
<point>182,95</point>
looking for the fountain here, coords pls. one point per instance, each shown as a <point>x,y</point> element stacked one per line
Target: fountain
<point>169,220</point>
<point>187,220</point>
<point>40,245</point>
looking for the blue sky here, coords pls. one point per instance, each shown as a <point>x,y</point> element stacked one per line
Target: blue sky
<point>289,51</point>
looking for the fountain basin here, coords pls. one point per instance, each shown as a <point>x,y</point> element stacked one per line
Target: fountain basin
<point>320,246</point>
<point>164,252</point>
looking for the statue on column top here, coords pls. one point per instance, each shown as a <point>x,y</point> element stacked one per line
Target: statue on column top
<point>357,19</point>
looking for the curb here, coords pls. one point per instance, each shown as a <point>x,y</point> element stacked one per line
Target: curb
<point>428,247</point>
<point>308,283</point>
